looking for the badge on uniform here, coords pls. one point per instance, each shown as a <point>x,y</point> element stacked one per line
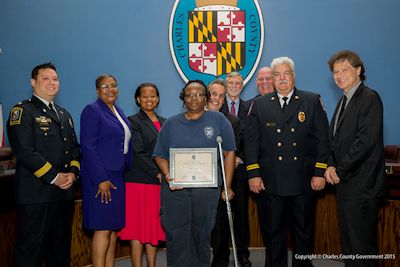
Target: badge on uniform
<point>16,115</point>
<point>301,116</point>
<point>44,123</point>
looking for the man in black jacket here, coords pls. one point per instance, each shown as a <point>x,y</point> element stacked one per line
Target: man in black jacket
<point>43,140</point>
<point>356,162</point>
<point>238,107</point>
<point>286,148</point>
<point>220,235</point>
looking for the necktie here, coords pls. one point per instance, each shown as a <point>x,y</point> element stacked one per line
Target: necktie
<point>344,100</point>
<point>233,109</point>
<point>284,106</point>
<point>53,111</point>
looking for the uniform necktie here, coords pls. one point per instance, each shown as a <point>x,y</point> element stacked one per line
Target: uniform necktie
<point>233,109</point>
<point>284,106</point>
<point>53,109</point>
<point>344,100</point>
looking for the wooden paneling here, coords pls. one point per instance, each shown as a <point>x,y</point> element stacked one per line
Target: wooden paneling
<point>389,232</point>
<point>326,235</point>
<point>8,236</point>
<point>255,233</point>
<point>81,240</point>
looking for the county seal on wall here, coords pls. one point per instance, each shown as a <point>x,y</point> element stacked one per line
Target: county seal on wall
<point>211,38</point>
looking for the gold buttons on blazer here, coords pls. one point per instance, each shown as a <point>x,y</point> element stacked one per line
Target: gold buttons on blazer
<point>294,158</point>
<point>278,130</point>
<point>279,144</point>
<point>280,158</point>
<point>294,144</point>
<point>293,130</point>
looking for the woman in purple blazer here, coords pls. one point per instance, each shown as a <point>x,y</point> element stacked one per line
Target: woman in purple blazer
<point>105,142</point>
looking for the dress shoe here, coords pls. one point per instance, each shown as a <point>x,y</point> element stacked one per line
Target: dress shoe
<point>244,262</point>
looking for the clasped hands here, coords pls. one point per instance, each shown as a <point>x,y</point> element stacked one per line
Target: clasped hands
<point>65,180</point>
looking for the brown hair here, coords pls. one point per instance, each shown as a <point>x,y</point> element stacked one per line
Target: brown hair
<point>352,57</point>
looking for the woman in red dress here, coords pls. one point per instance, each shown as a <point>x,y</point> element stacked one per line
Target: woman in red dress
<point>143,227</point>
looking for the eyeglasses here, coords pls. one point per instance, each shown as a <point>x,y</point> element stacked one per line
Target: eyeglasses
<point>194,95</point>
<point>108,86</point>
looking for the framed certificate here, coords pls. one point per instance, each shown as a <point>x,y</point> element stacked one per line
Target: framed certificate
<point>193,167</point>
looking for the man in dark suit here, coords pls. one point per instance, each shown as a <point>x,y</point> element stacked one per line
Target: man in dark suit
<point>237,107</point>
<point>220,234</point>
<point>356,162</point>
<point>43,140</point>
<point>286,148</point>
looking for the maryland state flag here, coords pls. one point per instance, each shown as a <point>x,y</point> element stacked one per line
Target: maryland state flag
<point>216,41</point>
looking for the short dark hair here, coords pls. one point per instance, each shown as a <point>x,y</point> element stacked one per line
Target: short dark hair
<point>182,94</point>
<point>102,77</point>
<point>351,56</point>
<point>139,91</point>
<point>47,65</point>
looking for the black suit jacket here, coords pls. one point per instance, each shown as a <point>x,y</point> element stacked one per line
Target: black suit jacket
<point>236,128</point>
<point>287,149</point>
<point>144,138</point>
<point>242,114</point>
<point>44,145</point>
<point>357,147</point>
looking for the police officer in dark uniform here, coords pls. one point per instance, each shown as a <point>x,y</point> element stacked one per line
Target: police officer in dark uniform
<point>43,140</point>
<point>286,148</point>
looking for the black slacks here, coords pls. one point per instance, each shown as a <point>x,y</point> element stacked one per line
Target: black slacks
<point>44,234</point>
<point>280,214</point>
<point>358,221</point>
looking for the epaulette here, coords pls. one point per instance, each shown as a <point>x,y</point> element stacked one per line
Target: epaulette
<point>24,102</point>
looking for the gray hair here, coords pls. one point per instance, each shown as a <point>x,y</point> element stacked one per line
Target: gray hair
<point>234,74</point>
<point>282,60</point>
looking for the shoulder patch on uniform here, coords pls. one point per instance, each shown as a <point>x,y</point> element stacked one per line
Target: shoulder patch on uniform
<point>16,115</point>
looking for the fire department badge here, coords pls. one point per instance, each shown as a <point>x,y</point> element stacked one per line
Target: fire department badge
<point>211,38</point>
<point>301,116</point>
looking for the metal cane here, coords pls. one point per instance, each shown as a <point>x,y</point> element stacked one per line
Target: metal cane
<point>228,204</point>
